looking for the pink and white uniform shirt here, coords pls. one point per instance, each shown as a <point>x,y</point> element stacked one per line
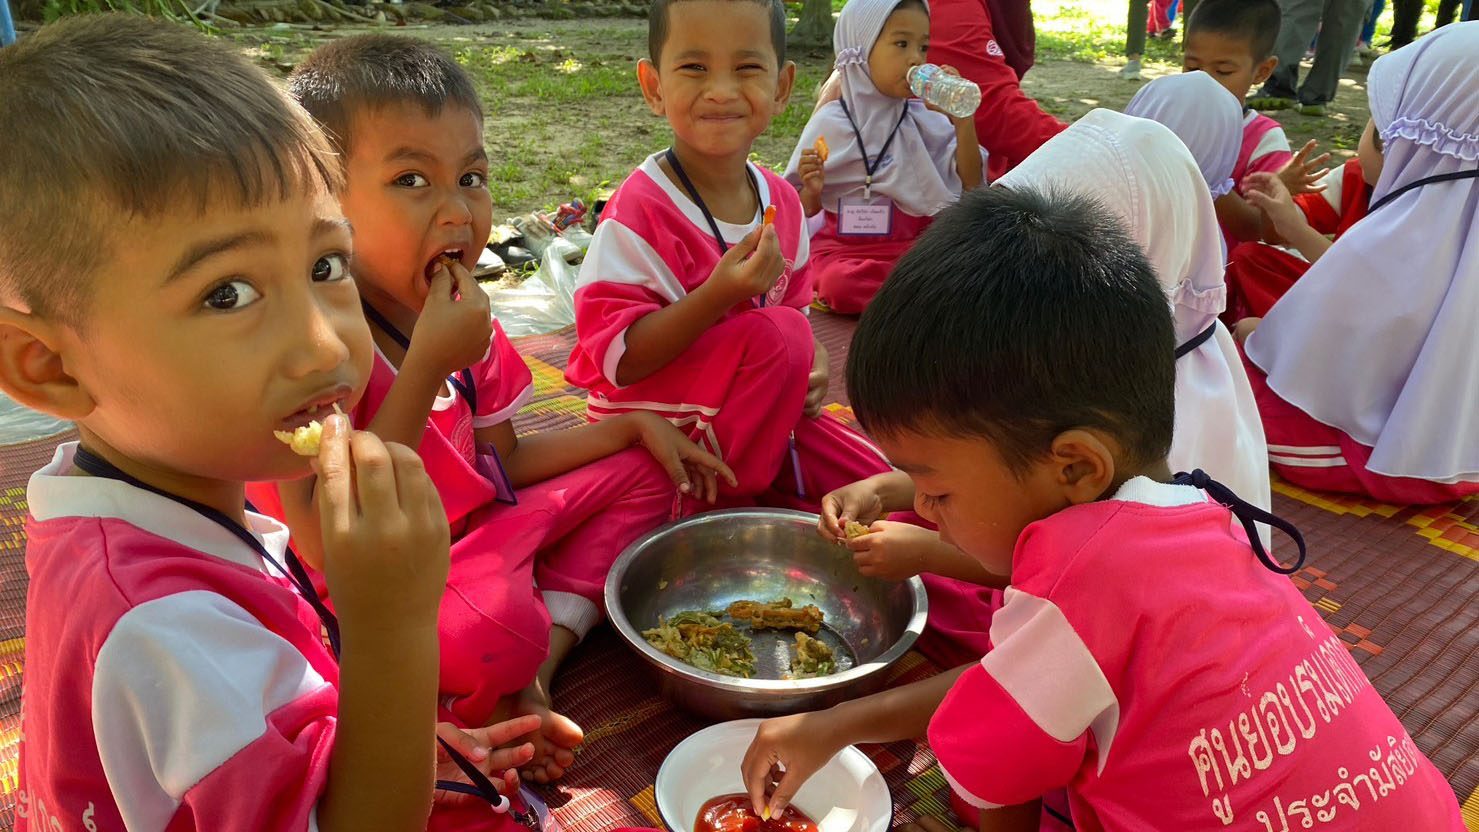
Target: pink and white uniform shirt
<point>1265,147</point>
<point>652,248</point>
<point>1146,661</point>
<point>173,679</point>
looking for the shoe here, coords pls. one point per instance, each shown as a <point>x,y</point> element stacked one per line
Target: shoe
<point>1165,34</point>
<point>1317,110</point>
<point>1272,102</point>
<point>1130,71</point>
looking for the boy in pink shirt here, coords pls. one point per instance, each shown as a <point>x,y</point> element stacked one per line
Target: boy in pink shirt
<point>1233,41</point>
<point>1151,658</point>
<point>177,675</point>
<point>536,521</point>
<point>693,296</point>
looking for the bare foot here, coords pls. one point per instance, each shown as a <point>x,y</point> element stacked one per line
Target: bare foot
<point>555,741</point>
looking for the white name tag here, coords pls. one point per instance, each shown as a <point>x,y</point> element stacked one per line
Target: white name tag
<point>860,217</point>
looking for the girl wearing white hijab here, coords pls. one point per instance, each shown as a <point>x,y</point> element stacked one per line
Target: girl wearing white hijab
<point>1209,124</point>
<point>891,164</point>
<point>1141,172</point>
<point>1372,386</point>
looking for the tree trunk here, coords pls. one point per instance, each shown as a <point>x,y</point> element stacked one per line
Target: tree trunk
<point>813,25</point>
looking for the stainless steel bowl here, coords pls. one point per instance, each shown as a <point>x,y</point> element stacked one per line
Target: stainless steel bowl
<point>707,561</point>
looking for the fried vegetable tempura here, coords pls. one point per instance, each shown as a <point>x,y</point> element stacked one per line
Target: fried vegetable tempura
<point>821,148</point>
<point>813,658</point>
<point>705,642</point>
<point>777,615</point>
<point>854,529</point>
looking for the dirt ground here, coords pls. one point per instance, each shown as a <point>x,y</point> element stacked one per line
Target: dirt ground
<point>565,117</point>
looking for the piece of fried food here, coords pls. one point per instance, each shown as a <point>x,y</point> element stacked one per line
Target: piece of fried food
<point>821,148</point>
<point>769,218</point>
<point>777,615</point>
<point>854,529</point>
<point>813,658</point>
<point>305,440</point>
<point>702,640</point>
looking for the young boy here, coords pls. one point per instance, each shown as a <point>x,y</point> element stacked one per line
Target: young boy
<point>536,521</point>
<point>693,293</point>
<point>1147,658</point>
<point>174,678</point>
<point>1233,41</point>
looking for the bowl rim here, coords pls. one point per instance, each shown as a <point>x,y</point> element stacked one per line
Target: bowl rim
<point>847,749</point>
<point>633,637</point>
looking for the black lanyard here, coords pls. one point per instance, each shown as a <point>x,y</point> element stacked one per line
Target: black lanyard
<point>480,786</point>
<point>872,167</point>
<point>1248,514</point>
<point>461,381</point>
<point>1196,340</point>
<point>699,201</point>
<point>1427,180</point>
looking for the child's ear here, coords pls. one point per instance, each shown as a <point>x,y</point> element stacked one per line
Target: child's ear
<point>785,84</point>
<point>648,79</point>
<point>1084,460</point>
<point>1265,69</point>
<point>32,371</point>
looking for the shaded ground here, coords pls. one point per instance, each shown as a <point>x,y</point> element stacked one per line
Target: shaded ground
<point>565,117</point>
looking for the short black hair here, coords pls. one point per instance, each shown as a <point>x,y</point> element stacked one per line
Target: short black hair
<point>1018,315</point>
<point>1255,21</point>
<point>344,77</point>
<point>657,27</point>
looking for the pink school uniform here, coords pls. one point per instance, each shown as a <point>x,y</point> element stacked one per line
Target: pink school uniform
<point>129,588</point>
<point>516,568</point>
<point>1148,662</point>
<point>906,152</point>
<point>739,389</point>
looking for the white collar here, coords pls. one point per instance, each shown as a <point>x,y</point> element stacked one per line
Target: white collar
<point>1147,491</point>
<point>733,233</point>
<point>54,494</point>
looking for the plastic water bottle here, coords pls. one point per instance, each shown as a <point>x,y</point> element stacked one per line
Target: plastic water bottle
<point>951,93</point>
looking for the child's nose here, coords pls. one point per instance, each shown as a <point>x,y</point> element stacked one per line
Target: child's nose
<point>321,343</point>
<point>455,210</point>
<point>722,88</point>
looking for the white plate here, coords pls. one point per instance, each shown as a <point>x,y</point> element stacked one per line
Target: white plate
<point>847,795</point>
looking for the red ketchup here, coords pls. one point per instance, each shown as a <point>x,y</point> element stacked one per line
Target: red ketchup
<point>732,813</point>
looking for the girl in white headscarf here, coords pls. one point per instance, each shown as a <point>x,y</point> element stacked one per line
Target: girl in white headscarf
<point>1203,115</point>
<point>891,162</point>
<point>1143,173</point>
<point>1372,386</point>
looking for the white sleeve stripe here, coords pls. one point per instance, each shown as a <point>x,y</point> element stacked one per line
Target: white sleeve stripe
<point>1047,669</point>
<point>505,413</point>
<point>181,685</point>
<point>1273,141</point>
<point>612,360</point>
<point>620,255</point>
<point>1333,182</point>
<point>966,794</point>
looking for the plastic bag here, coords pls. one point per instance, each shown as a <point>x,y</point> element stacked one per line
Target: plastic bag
<point>545,302</point>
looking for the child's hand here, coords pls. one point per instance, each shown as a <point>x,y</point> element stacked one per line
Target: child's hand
<point>750,267</point>
<point>485,748</point>
<point>1266,192</point>
<point>859,502</point>
<point>1302,175</point>
<point>817,382</point>
<point>685,461</point>
<point>384,531</point>
<point>813,177</point>
<point>893,551</point>
<point>452,332</point>
<point>801,744</point>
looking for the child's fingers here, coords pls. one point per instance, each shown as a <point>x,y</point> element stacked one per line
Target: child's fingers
<point>464,743</point>
<point>1322,159</point>
<point>700,457</point>
<point>374,476</point>
<point>512,757</point>
<point>410,476</point>
<point>336,503</point>
<point>1309,147</point>
<point>502,733</point>
<point>781,798</point>
<point>441,285</point>
<point>755,770</point>
<point>742,249</point>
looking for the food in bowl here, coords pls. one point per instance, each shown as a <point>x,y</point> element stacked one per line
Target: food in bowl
<point>777,615</point>
<point>705,642</point>
<point>732,813</point>
<point>813,658</point>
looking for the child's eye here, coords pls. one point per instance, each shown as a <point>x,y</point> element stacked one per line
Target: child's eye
<point>330,268</point>
<point>902,44</point>
<point>234,294</point>
<point>691,68</point>
<point>473,179</point>
<point>412,180</point>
